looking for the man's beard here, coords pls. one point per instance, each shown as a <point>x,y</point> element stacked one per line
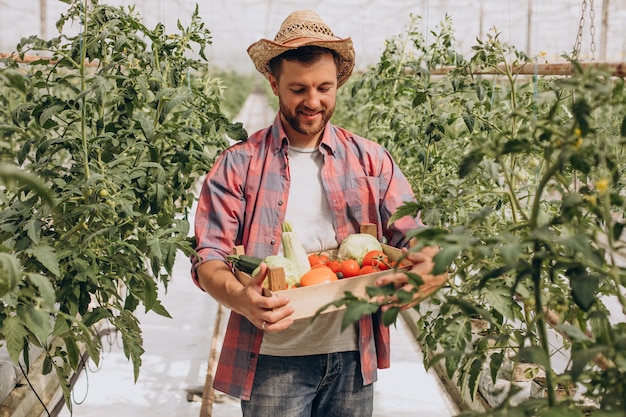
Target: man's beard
<point>305,128</point>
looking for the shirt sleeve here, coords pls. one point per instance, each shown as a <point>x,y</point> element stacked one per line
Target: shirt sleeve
<point>220,211</point>
<point>397,191</point>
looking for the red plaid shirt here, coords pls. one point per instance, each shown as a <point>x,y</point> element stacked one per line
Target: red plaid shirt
<point>244,200</point>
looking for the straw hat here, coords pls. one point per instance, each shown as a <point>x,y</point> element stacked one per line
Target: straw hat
<point>301,28</point>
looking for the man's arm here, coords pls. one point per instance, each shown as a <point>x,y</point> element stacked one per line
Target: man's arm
<point>267,313</point>
<point>422,265</point>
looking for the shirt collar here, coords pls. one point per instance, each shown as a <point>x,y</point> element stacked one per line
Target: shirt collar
<point>279,137</point>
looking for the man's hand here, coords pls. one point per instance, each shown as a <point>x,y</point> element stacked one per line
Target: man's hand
<point>246,297</point>
<point>422,265</point>
<point>269,313</point>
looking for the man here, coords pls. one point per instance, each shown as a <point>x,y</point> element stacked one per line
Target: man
<point>326,182</point>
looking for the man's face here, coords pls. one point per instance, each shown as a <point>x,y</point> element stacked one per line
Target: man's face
<point>306,95</point>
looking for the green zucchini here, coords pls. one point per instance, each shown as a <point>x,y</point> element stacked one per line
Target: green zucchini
<point>244,263</point>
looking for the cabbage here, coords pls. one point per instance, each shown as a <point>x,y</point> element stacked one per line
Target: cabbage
<point>357,245</point>
<point>292,274</point>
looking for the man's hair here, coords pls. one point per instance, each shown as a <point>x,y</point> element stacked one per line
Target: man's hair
<point>305,54</point>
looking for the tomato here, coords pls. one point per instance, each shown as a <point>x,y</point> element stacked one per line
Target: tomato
<point>334,264</point>
<point>368,269</point>
<point>318,275</point>
<point>377,259</point>
<point>317,259</point>
<point>350,268</point>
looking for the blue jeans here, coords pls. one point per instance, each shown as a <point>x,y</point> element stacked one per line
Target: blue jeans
<point>328,385</point>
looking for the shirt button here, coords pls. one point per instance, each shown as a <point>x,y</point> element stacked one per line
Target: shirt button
<point>280,202</point>
<point>273,242</point>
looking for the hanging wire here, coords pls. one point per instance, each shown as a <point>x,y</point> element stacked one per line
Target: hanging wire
<point>592,30</point>
<point>86,373</point>
<point>579,34</point>
<point>34,390</point>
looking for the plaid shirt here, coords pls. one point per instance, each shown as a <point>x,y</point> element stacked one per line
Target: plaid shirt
<point>244,200</point>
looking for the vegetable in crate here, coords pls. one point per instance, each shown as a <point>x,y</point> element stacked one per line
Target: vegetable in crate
<point>357,245</point>
<point>319,275</point>
<point>292,273</point>
<point>294,250</point>
<point>244,263</point>
<point>250,265</point>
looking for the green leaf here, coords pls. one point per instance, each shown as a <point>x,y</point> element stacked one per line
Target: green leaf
<point>583,357</point>
<point>46,368</point>
<point>474,375</point>
<point>469,121</point>
<point>419,98</point>
<point>10,273</point>
<point>406,209</point>
<point>158,308</point>
<point>15,335</point>
<point>16,79</point>
<point>132,340</point>
<point>48,113</point>
<point>147,126</point>
<point>533,354</point>
<point>495,364</point>
<point>499,297</point>
<point>562,410</point>
<point>469,163</point>
<point>573,332</point>
<point>515,146</point>
<point>47,257</point>
<point>510,253</point>
<point>37,321</point>
<point>445,257</point>
<point>10,172</point>
<point>581,163</point>
<point>355,310</point>
<point>45,288</point>
<point>390,316</point>
<point>94,316</point>
<point>584,287</point>
<point>73,352</point>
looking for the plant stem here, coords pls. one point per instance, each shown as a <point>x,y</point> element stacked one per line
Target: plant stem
<point>541,323</point>
<point>83,110</point>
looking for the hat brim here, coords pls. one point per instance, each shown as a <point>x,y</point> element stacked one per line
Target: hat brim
<point>263,51</point>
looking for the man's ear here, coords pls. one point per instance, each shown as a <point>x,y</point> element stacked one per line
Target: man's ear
<point>274,84</point>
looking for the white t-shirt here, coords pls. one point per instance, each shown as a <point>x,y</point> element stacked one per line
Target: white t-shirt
<point>309,214</point>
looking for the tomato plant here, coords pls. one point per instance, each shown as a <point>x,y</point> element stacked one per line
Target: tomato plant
<point>520,181</point>
<point>118,126</point>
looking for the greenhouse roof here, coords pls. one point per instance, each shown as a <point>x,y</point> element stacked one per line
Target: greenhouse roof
<point>534,26</point>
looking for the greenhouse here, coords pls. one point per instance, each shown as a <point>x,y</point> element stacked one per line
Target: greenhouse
<point>454,243</point>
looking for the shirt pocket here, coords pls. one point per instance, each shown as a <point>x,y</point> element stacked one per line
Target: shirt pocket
<point>362,198</point>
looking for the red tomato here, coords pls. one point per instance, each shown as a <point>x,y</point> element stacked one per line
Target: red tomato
<point>318,275</point>
<point>334,264</point>
<point>378,259</point>
<point>317,259</point>
<point>368,269</point>
<point>350,268</point>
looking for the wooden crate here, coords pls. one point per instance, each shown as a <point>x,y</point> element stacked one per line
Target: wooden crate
<point>308,300</point>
